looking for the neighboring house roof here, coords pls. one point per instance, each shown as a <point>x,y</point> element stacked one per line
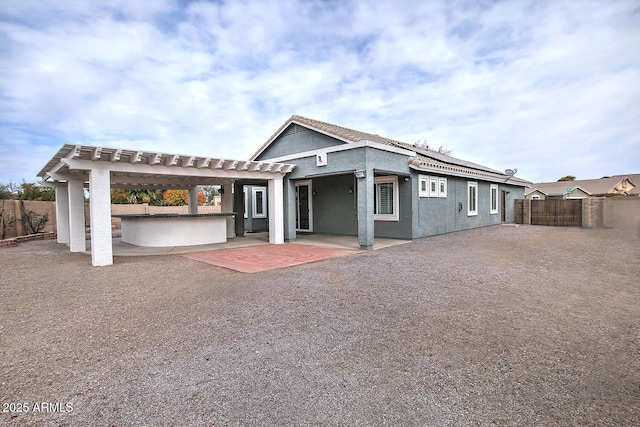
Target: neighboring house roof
<point>425,159</point>
<point>605,185</point>
<point>634,178</point>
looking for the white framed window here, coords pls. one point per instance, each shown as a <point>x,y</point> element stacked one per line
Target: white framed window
<point>432,186</point>
<point>494,199</point>
<point>472,198</point>
<point>259,202</point>
<point>423,182</point>
<point>442,187</point>
<point>386,201</point>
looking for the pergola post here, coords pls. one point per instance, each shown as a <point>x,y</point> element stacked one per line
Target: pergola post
<point>77,238</point>
<point>193,200</point>
<point>62,213</point>
<point>227,207</point>
<point>276,211</point>
<point>100,211</point>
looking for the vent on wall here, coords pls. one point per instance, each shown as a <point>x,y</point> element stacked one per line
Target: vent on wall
<point>321,159</point>
<point>293,129</point>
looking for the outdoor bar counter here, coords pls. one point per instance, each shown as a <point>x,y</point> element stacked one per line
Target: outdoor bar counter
<point>164,230</point>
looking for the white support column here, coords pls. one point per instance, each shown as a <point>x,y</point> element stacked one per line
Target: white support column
<point>193,200</point>
<point>100,210</point>
<point>77,238</point>
<point>227,207</point>
<point>62,213</point>
<point>276,211</point>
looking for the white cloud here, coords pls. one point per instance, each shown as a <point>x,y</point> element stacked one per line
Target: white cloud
<point>542,86</point>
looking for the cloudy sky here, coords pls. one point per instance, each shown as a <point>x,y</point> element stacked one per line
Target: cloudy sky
<point>549,87</point>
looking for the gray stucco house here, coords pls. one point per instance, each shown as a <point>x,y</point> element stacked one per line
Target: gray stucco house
<point>355,183</point>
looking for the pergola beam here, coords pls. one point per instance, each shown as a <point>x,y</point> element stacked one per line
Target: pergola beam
<point>96,154</point>
<point>115,156</point>
<point>137,157</point>
<point>160,170</point>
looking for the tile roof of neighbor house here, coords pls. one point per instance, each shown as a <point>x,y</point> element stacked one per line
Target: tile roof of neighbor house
<point>424,158</point>
<point>590,186</point>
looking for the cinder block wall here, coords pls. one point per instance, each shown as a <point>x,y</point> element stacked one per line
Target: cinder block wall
<point>622,213</point>
<point>12,208</point>
<point>593,212</point>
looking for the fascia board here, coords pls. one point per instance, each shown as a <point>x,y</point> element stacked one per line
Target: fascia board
<point>346,147</point>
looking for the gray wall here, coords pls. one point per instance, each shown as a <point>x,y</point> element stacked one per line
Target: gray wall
<point>435,215</point>
<point>296,139</point>
<point>401,229</point>
<point>335,209</point>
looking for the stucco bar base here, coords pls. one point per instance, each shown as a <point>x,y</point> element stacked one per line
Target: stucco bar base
<point>179,230</point>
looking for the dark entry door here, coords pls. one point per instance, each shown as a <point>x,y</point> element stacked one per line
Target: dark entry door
<point>503,204</point>
<point>303,217</point>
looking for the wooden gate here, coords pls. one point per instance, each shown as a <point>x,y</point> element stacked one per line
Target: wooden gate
<point>558,213</point>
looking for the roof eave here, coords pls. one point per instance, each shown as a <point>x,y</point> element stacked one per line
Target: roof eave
<point>481,175</point>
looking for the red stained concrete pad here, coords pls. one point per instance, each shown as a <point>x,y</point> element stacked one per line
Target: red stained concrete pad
<point>253,259</point>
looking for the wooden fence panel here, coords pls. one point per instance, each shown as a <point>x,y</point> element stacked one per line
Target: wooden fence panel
<point>557,213</point>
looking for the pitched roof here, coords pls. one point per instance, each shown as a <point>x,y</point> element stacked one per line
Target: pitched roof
<point>339,132</point>
<point>426,158</point>
<point>603,185</point>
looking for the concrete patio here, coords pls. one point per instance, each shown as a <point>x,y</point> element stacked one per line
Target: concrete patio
<point>250,239</point>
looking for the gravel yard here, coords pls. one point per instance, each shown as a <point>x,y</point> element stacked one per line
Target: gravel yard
<point>502,325</point>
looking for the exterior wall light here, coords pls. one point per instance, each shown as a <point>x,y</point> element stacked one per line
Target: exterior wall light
<point>359,173</point>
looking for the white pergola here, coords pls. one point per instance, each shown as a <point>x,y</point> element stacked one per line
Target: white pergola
<point>102,168</point>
